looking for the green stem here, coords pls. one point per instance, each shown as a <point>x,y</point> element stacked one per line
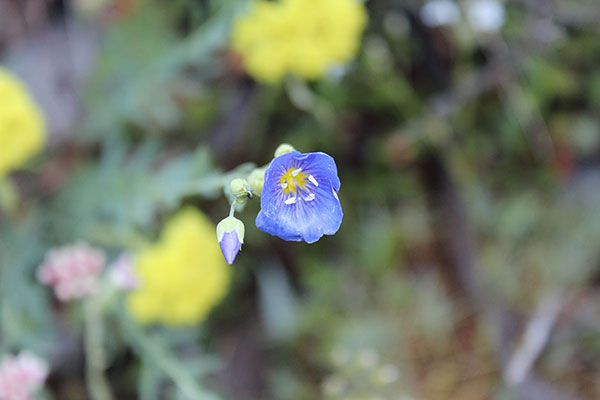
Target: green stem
<point>9,196</point>
<point>208,185</point>
<point>305,99</point>
<point>94,348</point>
<point>3,310</point>
<point>155,352</point>
<point>232,208</point>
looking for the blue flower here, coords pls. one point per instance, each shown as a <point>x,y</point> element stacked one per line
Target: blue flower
<point>299,199</point>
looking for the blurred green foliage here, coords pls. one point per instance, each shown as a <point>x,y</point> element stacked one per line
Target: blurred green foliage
<point>385,309</point>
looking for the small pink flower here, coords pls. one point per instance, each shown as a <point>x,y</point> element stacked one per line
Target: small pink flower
<point>73,270</point>
<point>122,273</point>
<point>21,376</point>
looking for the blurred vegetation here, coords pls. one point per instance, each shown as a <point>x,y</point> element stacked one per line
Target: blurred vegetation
<point>470,169</point>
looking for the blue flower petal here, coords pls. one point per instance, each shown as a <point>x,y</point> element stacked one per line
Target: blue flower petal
<point>230,246</point>
<point>316,212</point>
<point>321,165</point>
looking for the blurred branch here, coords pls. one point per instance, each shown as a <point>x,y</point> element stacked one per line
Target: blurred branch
<point>463,272</point>
<point>228,133</point>
<point>535,130</point>
<point>534,339</point>
<point>502,74</point>
<point>469,88</point>
<point>94,350</point>
<point>306,100</point>
<point>457,245</point>
<point>9,197</point>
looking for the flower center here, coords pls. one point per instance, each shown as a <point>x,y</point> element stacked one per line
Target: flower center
<point>293,180</point>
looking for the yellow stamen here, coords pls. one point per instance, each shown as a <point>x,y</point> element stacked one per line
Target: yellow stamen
<point>293,180</point>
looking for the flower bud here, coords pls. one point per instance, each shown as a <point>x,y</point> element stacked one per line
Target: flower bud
<point>284,149</point>
<point>257,180</point>
<point>238,187</point>
<point>230,235</point>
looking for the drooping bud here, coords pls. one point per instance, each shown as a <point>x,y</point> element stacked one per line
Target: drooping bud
<point>257,180</point>
<point>284,149</point>
<point>230,235</point>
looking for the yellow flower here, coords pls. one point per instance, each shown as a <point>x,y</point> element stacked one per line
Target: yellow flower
<point>299,37</point>
<point>183,276</point>
<point>21,124</point>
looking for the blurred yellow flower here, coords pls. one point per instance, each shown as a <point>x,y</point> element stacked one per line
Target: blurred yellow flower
<point>299,37</point>
<point>21,124</point>
<point>183,276</point>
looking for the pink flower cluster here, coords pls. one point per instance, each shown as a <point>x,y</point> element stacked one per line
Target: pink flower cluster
<point>73,270</point>
<point>21,376</point>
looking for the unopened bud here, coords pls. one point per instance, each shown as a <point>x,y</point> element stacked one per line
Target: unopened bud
<point>230,235</point>
<point>238,187</point>
<point>284,149</point>
<point>257,180</point>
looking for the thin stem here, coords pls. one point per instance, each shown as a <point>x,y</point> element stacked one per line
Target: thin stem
<point>154,351</point>
<point>232,208</point>
<point>3,310</point>
<point>9,197</point>
<point>214,183</point>
<point>98,386</point>
<point>535,338</point>
<point>303,97</point>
